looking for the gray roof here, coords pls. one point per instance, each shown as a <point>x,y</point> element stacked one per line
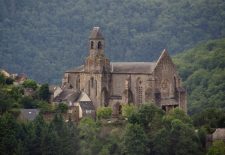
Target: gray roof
<point>124,67</point>
<point>29,114</point>
<point>96,33</point>
<point>132,67</point>
<point>87,105</point>
<point>67,95</point>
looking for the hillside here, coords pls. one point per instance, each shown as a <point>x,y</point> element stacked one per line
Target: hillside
<point>203,71</point>
<point>44,38</point>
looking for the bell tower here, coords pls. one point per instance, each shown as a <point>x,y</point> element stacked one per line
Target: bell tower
<point>96,62</point>
<point>97,70</point>
<point>96,42</point>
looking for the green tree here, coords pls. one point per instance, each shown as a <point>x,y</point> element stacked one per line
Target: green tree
<point>37,131</point>
<point>16,92</point>
<point>146,115</point>
<point>50,142</point>
<point>128,110</point>
<point>5,101</point>
<point>62,108</point>
<point>177,136</point>
<point>70,143</point>
<point>30,84</point>
<point>8,134</point>
<point>104,112</point>
<point>134,140</point>
<point>44,92</point>
<point>88,134</point>
<point>2,79</point>
<point>28,102</point>
<point>212,117</point>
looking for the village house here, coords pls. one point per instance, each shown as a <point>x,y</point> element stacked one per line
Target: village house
<point>80,105</point>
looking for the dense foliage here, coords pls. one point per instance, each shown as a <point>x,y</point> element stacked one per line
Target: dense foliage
<point>203,72</point>
<point>44,38</point>
<point>153,134</point>
<point>37,137</point>
<point>104,113</point>
<point>139,130</point>
<point>13,96</point>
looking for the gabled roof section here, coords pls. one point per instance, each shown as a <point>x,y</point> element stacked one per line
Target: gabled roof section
<point>67,95</point>
<point>164,55</point>
<point>96,33</point>
<point>84,97</point>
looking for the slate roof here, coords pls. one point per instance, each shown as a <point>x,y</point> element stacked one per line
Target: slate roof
<point>132,67</point>
<point>87,105</point>
<point>124,67</point>
<point>29,114</point>
<point>96,33</point>
<point>69,95</point>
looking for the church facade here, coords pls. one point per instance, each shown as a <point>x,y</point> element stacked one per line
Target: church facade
<point>116,83</point>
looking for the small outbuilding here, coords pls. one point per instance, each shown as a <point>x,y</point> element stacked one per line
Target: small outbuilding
<point>28,114</point>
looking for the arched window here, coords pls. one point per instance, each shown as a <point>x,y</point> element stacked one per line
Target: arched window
<point>99,45</point>
<point>96,90</point>
<point>92,45</point>
<point>139,90</point>
<point>92,82</point>
<point>104,97</point>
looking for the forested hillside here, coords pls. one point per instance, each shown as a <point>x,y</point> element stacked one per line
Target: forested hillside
<point>44,38</point>
<point>203,71</point>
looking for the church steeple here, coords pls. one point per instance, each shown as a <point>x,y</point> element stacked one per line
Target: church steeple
<point>96,42</point>
<point>96,61</point>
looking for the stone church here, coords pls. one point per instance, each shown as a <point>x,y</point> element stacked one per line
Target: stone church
<point>116,83</point>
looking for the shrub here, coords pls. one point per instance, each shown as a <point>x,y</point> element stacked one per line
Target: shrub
<point>30,84</point>
<point>104,113</point>
<point>62,108</point>
<point>128,110</point>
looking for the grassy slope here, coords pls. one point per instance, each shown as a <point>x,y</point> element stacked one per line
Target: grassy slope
<point>203,71</point>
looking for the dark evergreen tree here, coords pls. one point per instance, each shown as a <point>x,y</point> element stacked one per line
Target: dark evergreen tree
<point>44,93</point>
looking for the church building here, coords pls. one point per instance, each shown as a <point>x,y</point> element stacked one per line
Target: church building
<point>116,83</point>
